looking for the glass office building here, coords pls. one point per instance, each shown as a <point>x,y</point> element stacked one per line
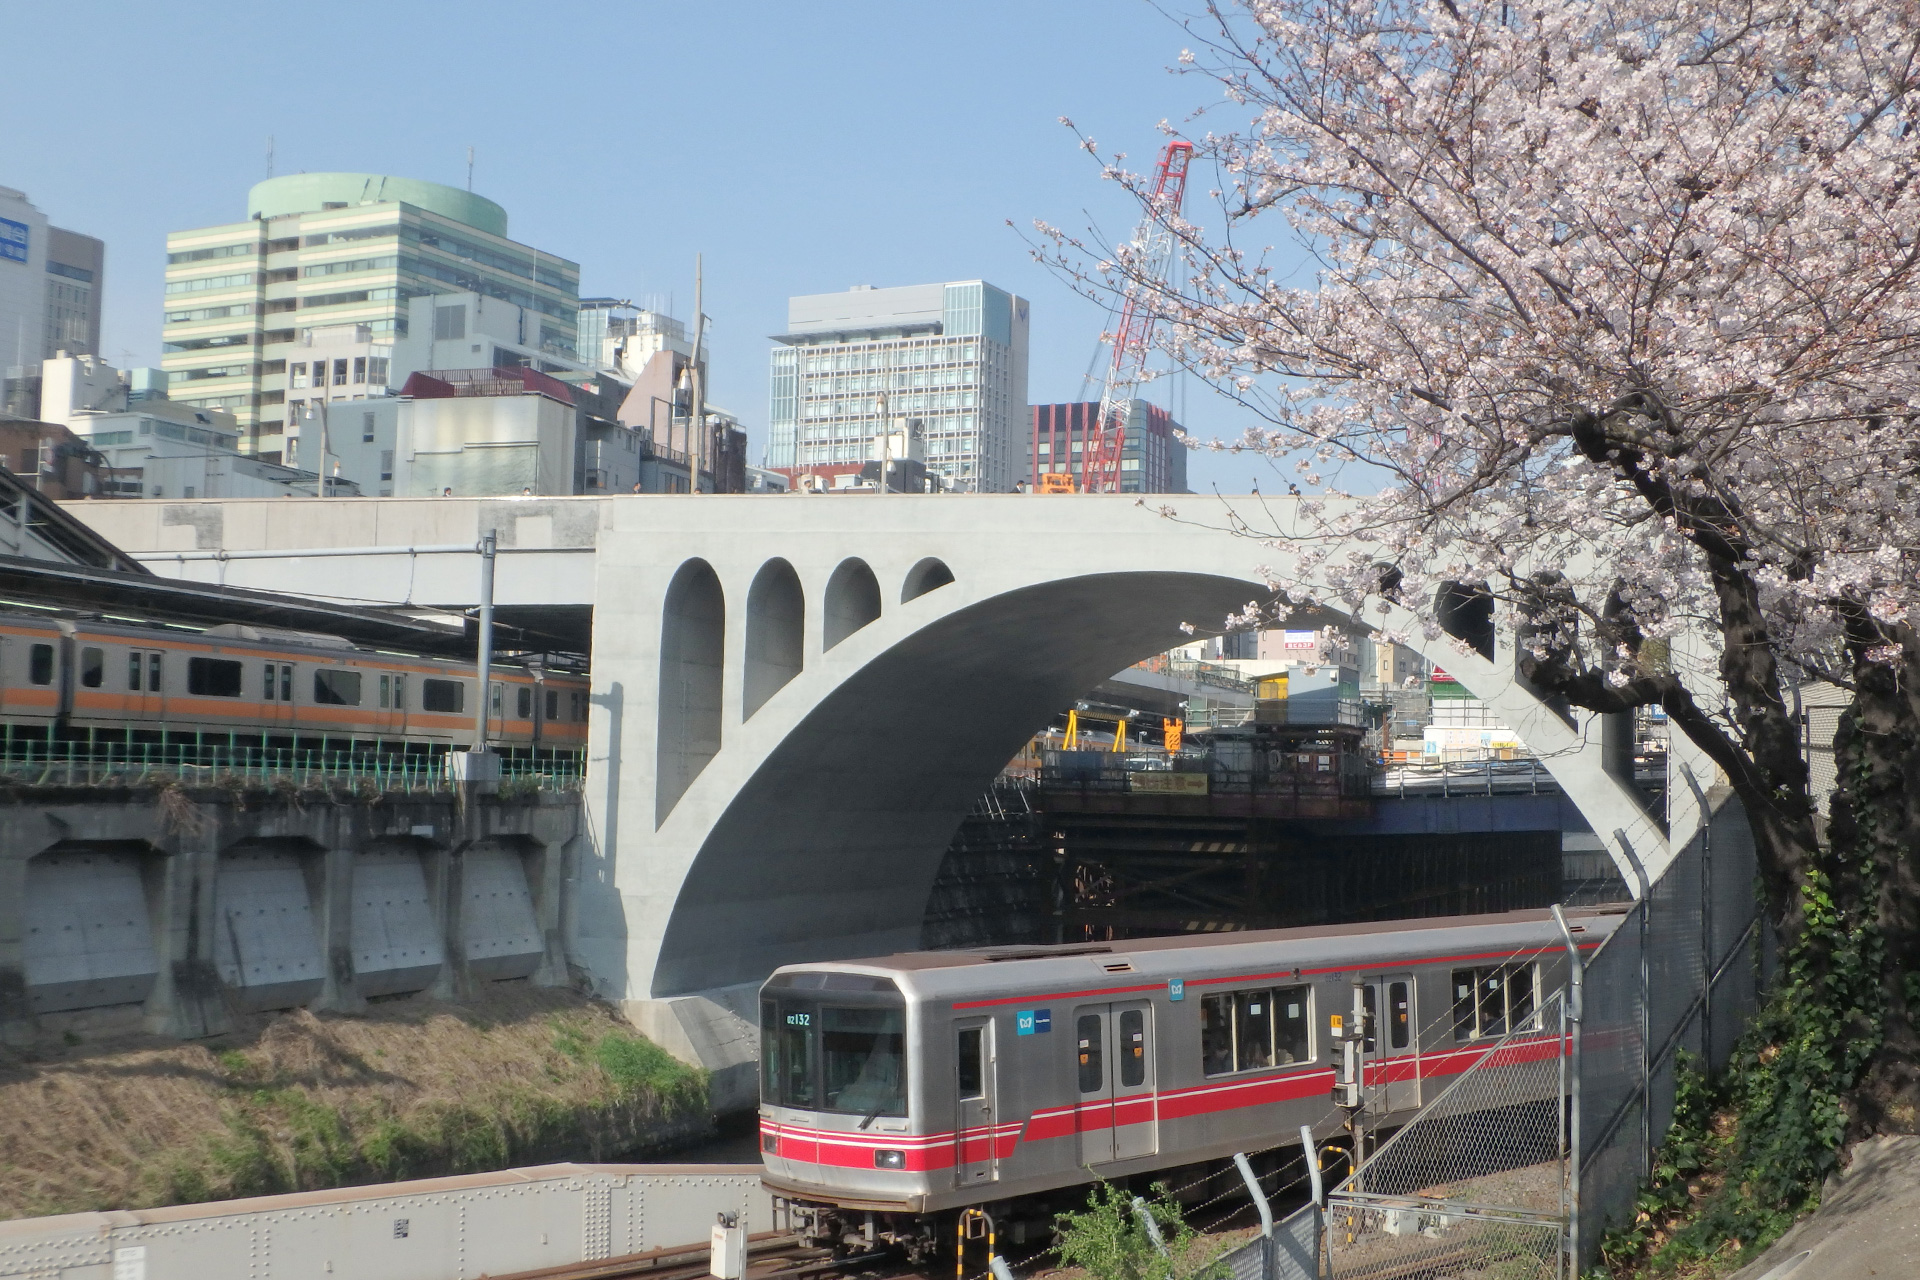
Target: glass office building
<point>952,357</point>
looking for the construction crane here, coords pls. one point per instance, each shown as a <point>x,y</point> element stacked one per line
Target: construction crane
<point>1107,437</point>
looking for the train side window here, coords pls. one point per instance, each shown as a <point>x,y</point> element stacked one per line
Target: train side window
<point>1399,1014</point>
<point>1087,1031</point>
<point>972,1057</point>
<point>496,706</point>
<point>553,704</point>
<point>335,687</point>
<point>386,692</point>
<point>93,667</point>
<point>286,682</point>
<point>442,695</point>
<point>1371,1038</point>
<point>134,657</point>
<point>268,683</point>
<point>1248,1030</point>
<point>400,693</point>
<point>525,702</point>
<point>40,664</point>
<point>579,705</point>
<point>213,677</point>
<point>153,672</point>
<point>1133,1048</point>
<point>1491,1001</point>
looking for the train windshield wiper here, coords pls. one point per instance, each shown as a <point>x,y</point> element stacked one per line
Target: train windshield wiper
<point>875,1113</point>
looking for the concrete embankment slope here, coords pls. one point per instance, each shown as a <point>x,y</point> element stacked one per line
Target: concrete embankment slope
<point>1868,1223</point>
<point>296,1101</point>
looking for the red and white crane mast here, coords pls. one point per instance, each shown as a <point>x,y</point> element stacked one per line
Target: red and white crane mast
<point>1133,338</point>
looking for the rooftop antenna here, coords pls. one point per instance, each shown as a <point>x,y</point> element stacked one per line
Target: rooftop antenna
<point>269,155</point>
<point>469,168</point>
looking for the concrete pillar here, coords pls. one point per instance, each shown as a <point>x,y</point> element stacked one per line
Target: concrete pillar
<point>446,884</point>
<point>335,902</point>
<point>550,866</point>
<point>18,844</point>
<point>187,1000</point>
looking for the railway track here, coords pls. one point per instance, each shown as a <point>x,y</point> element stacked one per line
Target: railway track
<point>771,1255</point>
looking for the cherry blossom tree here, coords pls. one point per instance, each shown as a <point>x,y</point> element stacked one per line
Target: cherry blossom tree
<point>1613,314</point>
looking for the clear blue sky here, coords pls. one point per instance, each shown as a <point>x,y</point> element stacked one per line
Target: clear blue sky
<point>801,148</point>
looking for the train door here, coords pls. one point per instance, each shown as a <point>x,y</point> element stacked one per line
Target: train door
<point>976,1158</point>
<point>1392,1044</point>
<point>1118,1112</point>
<point>276,697</point>
<point>145,699</point>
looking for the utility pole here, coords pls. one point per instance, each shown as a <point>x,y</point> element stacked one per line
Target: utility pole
<point>320,470</point>
<point>696,402</point>
<point>484,657</point>
<point>886,442</point>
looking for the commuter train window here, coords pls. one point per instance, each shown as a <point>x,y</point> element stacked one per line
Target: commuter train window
<point>153,672</point>
<point>442,695</point>
<point>1248,1030</point>
<point>971,1053</point>
<point>135,660</point>
<point>93,667</point>
<point>213,677</point>
<point>863,1061</point>
<point>1133,1048</point>
<point>786,1053</point>
<point>1493,1000</point>
<point>400,693</point>
<point>1399,1015</point>
<point>386,692</point>
<point>525,703</point>
<point>495,708</point>
<point>40,664</point>
<point>553,704</point>
<point>1087,1031</point>
<point>277,682</point>
<point>335,687</point>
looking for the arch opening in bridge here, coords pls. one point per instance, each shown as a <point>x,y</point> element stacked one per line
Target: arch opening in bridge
<point>853,601</point>
<point>929,575</point>
<point>776,634</point>
<point>692,646</point>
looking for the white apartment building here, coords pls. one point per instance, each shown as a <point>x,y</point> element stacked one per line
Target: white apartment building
<point>951,356</point>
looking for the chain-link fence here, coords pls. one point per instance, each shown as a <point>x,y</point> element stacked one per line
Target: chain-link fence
<point>1476,1183</point>
<point>1683,972</point>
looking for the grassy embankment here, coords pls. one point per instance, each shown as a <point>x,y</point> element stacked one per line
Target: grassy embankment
<point>294,1101</point>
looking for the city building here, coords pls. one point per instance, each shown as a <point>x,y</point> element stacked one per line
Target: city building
<point>1153,458</point>
<point>619,338</point>
<point>147,446</point>
<point>51,459</point>
<point>344,254</point>
<point>952,355</point>
<point>50,282</point>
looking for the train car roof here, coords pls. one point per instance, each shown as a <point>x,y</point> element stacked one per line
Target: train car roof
<point>1018,970</point>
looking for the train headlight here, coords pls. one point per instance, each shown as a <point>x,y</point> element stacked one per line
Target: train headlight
<point>889,1159</point>
<point>770,1143</point>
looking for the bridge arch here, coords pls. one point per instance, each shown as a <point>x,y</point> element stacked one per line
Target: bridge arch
<point>853,601</point>
<point>776,634</point>
<point>929,575</point>
<point>693,626</point>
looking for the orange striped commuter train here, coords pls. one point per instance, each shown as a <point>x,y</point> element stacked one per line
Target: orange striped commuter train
<point>96,686</point>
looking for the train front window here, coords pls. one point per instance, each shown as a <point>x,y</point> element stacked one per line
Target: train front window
<point>787,1037</point>
<point>863,1061</point>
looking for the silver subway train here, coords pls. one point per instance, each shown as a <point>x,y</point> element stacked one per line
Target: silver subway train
<point>899,1089</point>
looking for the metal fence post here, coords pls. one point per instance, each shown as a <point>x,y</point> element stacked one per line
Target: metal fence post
<point>1646,1012</point>
<point>1570,1012</point>
<point>1266,1213</point>
<point>1709,961</point>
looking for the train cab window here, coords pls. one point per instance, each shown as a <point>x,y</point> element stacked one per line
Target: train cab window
<point>971,1054</point>
<point>525,703</point>
<point>93,667</point>
<point>786,1050</point>
<point>335,687</point>
<point>213,677</point>
<point>1133,1048</point>
<point>1087,1030</point>
<point>553,704</point>
<point>442,695</point>
<point>1494,1000</point>
<point>863,1055</point>
<point>1248,1030</point>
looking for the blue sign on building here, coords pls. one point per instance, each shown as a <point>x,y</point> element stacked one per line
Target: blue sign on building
<point>1029,1022</point>
<point>13,240</point>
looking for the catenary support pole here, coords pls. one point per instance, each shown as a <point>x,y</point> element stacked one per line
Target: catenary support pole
<point>1646,1013</point>
<point>484,711</point>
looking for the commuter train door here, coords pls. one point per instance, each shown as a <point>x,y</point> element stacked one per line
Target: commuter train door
<point>1392,1044</point>
<point>976,1157</point>
<point>1117,1113</point>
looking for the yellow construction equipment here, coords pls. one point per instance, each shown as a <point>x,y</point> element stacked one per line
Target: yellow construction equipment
<point>1056,482</point>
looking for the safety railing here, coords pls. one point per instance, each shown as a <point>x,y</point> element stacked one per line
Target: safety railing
<point>81,764</point>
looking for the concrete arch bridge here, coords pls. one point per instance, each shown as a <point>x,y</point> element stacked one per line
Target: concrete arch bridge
<point>796,700</point>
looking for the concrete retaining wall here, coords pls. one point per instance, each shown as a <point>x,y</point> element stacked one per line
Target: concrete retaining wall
<point>436,1229</point>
